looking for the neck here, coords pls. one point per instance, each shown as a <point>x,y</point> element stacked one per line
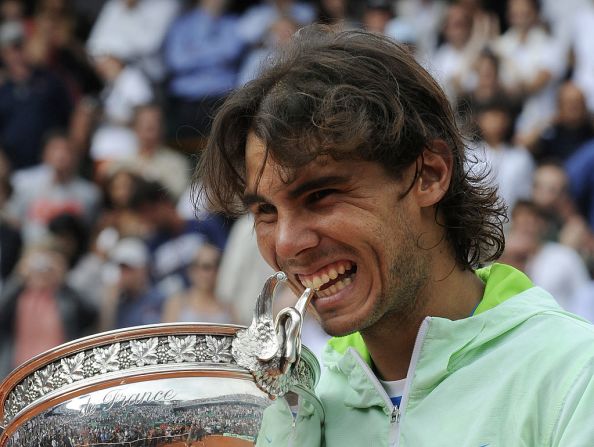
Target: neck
<point>62,177</point>
<point>447,294</point>
<point>147,149</point>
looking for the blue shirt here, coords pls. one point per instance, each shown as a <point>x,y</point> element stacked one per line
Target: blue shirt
<point>202,55</point>
<point>579,168</point>
<point>139,310</point>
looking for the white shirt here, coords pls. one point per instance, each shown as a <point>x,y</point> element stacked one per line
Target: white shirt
<point>113,139</point>
<point>450,64</point>
<point>511,169</point>
<point>520,63</point>
<point>134,33</point>
<point>559,269</point>
<point>582,40</point>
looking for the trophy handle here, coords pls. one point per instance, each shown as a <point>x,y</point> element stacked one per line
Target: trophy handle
<point>270,350</point>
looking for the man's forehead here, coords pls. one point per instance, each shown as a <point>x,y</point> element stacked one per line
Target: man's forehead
<point>260,164</point>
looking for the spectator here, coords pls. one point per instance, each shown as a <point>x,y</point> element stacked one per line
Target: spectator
<point>70,233</point>
<point>453,61</point>
<point>425,17</point>
<point>173,240</point>
<point>377,14</point>
<point>12,11</point>
<point>531,64</point>
<point>122,27</point>
<point>572,126</point>
<point>279,34</point>
<point>582,42</point>
<point>126,88</point>
<point>153,160</point>
<point>38,289</point>
<point>550,192</point>
<point>10,236</point>
<point>335,12</point>
<point>511,167</point>
<point>32,101</point>
<point>579,169</point>
<point>199,302</point>
<point>487,89</point>
<point>243,270</point>
<point>257,20</point>
<point>52,43</point>
<point>118,188</point>
<point>552,266</point>
<point>202,53</point>
<point>52,188</point>
<point>130,300</point>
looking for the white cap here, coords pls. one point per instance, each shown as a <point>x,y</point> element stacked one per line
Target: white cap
<point>130,251</point>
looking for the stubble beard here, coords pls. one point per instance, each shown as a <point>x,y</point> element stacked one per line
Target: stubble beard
<point>402,300</point>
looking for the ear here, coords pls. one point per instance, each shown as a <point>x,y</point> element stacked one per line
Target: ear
<point>435,173</point>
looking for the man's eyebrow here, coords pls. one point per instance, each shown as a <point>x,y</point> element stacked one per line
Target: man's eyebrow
<point>249,199</point>
<point>317,183</point>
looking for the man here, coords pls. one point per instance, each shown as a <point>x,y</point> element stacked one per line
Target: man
<point>32,101</point>
<point>131,299</point>
<point>154,160</point>
<point>171,239</point>
<point>346,152</point>
<point>51,188</point>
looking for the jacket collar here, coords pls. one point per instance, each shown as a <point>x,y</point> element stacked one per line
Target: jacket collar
<point>447,343</point>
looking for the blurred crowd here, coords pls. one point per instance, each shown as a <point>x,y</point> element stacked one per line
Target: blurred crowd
<point>105,105</point>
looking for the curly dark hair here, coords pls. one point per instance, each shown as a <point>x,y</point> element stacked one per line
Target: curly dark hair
<point>350,95</point>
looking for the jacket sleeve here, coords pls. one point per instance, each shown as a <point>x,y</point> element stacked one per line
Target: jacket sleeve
<point>575,426</point>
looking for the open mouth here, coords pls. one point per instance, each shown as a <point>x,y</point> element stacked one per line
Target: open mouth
<point>331,279</point>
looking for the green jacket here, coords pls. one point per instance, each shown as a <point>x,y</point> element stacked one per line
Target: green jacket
<point>519,372</point>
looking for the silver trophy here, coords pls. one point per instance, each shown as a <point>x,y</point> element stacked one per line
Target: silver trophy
<point>171,385</point>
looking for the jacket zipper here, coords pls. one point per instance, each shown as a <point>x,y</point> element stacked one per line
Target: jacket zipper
<point>396,413</point>
<point>394,410</point>
<point>410,375</point>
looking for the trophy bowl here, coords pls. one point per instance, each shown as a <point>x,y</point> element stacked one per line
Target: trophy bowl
<point>190,384</point>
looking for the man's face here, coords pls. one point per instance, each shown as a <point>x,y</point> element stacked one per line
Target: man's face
<point>344,228</point>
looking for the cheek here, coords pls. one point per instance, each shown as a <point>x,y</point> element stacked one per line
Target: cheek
<point>265,240</point>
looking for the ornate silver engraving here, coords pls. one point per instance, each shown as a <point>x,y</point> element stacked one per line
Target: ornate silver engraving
<point>144,352</point>
<point>106,359</point>
<point>72,368</point>
<point>182,349</point>
<point>218,349</point>
<point>269,350</point>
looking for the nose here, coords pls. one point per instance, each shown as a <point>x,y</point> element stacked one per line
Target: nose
<point>295,233</point>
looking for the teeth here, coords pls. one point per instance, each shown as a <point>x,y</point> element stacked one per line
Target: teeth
<point>317,281</point>
<point>335,288</point>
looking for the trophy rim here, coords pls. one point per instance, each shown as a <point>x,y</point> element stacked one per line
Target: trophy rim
<point>29,370</point>
<point>98,383</point>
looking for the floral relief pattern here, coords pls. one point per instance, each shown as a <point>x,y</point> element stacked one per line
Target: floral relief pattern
<point>144,352</point>
<point>182,349</point>
<point>106,359</point>
<point>219,349</point>
<point>127,354</point>
<point>72,368</point>
<point>44,379</point>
